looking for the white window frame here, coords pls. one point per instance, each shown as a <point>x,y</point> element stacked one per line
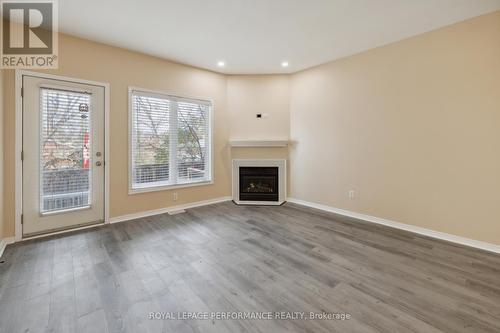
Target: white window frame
<point>209,156</point>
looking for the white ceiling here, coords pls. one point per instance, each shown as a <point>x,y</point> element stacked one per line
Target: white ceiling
<point>255,36</point>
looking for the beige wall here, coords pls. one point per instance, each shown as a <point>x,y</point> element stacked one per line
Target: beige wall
<point>88,60</point>
<point>412,127</point>
<point>248,95</point>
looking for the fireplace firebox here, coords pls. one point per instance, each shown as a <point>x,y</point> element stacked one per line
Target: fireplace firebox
<point>259,184</point>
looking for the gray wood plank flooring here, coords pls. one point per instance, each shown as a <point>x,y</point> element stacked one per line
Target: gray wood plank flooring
<point>228,258</point>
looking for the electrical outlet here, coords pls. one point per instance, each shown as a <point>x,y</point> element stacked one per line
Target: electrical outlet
<point>176,196</point>
<point>351,194</point>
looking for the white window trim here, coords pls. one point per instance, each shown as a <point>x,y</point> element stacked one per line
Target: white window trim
<point>154,188</point>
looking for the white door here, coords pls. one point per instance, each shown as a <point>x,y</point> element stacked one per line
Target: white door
<point>63,155</point>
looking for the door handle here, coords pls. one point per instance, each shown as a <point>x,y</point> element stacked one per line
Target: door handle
<point>98,163</point>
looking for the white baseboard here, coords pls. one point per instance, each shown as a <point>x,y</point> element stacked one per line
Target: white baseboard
<point>4,242</point>
<point>134,216</point>
<point>418,230</point>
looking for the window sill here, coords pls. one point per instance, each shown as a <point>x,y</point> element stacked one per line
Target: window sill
<point>167,187</point>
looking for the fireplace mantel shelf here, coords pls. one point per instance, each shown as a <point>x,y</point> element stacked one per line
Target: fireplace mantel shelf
<point>258,143</point>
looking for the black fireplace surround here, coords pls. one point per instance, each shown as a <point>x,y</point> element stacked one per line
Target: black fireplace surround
<point>259,184</point>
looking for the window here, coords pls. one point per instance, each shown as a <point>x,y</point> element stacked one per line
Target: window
<point>170,141</point>
<point>65,172</point>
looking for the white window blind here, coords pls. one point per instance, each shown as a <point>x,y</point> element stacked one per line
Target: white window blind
<point>170,140</point>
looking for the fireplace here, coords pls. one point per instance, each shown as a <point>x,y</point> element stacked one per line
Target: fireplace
<point>259,182</point>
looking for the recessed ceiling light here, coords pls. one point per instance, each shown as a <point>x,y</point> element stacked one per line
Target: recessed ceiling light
<point>221,63</point>
<point>284,64</point>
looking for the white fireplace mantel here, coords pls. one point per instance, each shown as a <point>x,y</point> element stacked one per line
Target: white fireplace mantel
<point>280,163</point>
<point>258,143</point>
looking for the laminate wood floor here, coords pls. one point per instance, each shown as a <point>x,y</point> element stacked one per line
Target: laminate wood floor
<point>240,260</point>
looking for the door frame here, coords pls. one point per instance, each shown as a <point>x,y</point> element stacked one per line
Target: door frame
<point>18,168</point>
